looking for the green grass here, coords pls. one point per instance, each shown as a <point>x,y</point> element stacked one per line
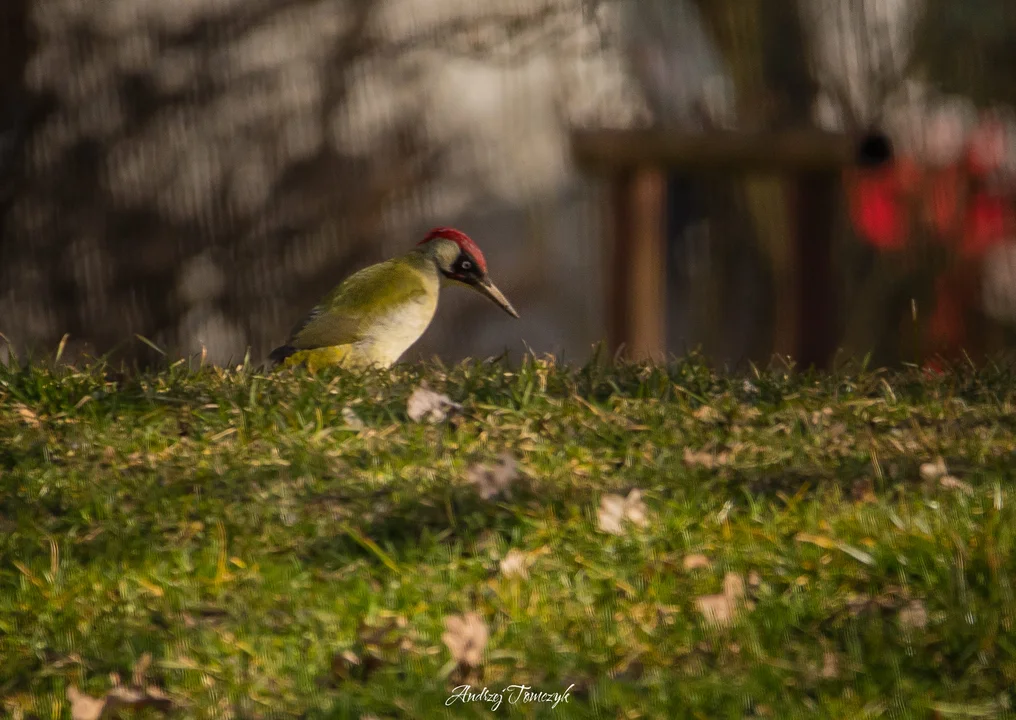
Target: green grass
<point>275,562</point>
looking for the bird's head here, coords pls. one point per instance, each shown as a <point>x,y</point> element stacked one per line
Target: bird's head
<point>460,261</point>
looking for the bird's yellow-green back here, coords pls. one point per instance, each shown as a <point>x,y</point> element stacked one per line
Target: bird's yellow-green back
<point>371,318</point>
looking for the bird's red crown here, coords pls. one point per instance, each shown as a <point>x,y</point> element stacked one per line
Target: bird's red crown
<point>464,242</point>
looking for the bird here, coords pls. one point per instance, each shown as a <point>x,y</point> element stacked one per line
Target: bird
<point>375,315</point>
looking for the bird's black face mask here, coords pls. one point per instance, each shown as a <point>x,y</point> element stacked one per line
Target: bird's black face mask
<point>468,271</point>
<point>465,270</point>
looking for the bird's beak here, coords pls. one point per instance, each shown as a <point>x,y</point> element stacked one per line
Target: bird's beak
<point>487,288</point>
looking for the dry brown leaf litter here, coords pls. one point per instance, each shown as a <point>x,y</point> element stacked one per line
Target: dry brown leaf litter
<point>614,510</point>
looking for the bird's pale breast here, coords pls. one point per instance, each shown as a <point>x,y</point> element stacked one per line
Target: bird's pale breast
<point>397,330</point>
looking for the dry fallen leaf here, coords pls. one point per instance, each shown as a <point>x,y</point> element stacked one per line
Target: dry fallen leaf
<point>29,416</point>
<point>615,509</point>
<point>716,609</point>
<point>914,615</point>
<point>707,414</point>
<point>953,483</point>
<point>830,665</point>
<point>696,561</point>
<point>140,668</point>
<point>85,707</point>
<point>721,608</point>
<point>635,510</point>
<point>350,418</point>
<point>425,404</point>
<point>733,586</point>
<point>932,471</point>
<point>701,458</point>
<point>819,416</point>
<point>515,564</point>
<point>466,638</point>
<point>493,481</point>
<point>747,412</point>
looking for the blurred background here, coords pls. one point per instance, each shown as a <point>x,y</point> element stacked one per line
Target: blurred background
<point>200,172</point>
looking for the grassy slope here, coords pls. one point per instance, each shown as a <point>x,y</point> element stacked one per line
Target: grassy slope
<point>233,527</point>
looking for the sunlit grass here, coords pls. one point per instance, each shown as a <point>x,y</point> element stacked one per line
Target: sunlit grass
<point>239,529</point>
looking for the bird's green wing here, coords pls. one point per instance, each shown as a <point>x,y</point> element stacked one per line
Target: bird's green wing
<point>358,302</point>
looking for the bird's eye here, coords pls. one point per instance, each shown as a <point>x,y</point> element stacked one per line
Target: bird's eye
<point>466,265</point>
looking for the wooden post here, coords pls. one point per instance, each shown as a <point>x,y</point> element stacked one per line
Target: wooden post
<point>636,302</point>
<point>814,201</point>
<point>633,161</point>
<point>15,47</point>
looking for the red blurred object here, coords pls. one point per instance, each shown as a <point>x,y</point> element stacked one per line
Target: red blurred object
<point>941,200</point>
<point>989,221</point>
<point>953,201</point>
<point>876,210</point>
<point>955,206</point>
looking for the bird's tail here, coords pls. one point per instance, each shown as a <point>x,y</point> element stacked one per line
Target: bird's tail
<point>279,354</point>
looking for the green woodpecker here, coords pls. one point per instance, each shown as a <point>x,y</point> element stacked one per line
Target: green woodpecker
<point>376,314</point>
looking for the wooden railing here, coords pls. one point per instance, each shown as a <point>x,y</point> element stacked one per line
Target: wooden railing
<point>635,164</point>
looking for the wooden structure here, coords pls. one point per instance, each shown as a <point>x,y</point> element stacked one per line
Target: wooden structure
<point>635,164</point>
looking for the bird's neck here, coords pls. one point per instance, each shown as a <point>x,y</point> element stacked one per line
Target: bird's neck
<point>440,252</point>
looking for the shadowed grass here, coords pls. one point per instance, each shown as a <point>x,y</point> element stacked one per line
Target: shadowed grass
<point>235,527</point>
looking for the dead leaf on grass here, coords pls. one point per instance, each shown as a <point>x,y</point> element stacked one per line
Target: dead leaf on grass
<point>350,418</point>
<point>29,416</point>
<point>120,697</point>
<point>733,585</point>
<point>492,481</point>
<point>721,608</point>
<point>515,564</point>
<point>954,483</point>
<point>914,615</point>
<point>86,707</point>
<point>140,668</point>
<point>932,471</point>
<point>830,665</point>
<point>707,460</point>
<point>707,414</point>
<point>696,561</point>
<point>614,510</point>
<point>426,405</point>
<point>466,638</point>
<point>747,412</point>
<point>819,416</point>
